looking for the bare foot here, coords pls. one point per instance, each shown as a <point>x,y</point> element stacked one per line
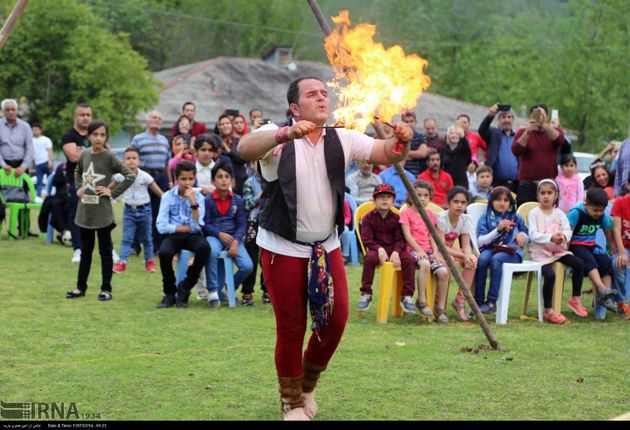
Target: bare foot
<point>296,414</point>
<point>310,405</point>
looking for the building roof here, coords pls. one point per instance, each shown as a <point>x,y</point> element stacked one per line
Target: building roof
<point>245,83</point>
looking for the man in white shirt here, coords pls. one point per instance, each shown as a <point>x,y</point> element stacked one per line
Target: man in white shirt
<point>42,155</point>
<point>362,182</point>
<point>302,168</point>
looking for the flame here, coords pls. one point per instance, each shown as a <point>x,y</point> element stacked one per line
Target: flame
<point>369,79</point>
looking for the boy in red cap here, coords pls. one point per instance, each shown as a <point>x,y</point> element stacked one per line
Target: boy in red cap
<point>383,241</point>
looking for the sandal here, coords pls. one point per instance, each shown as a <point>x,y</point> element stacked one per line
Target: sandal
<point>442,318</point>
<point>104,296</point>
<point>74,294</point>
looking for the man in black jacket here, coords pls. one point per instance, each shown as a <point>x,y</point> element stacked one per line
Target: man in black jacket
<point>503,162</point>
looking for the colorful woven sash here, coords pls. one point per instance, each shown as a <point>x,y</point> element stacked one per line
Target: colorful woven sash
<point>319,288</point>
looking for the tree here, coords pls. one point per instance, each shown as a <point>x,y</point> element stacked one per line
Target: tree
<point>59,55</point>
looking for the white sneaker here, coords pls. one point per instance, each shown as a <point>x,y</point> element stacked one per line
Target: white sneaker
<point>76,257</point>
<point>66,238</point>
<point>213,300</point>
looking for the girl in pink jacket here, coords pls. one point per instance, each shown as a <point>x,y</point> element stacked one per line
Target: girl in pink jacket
<point>569,183</point>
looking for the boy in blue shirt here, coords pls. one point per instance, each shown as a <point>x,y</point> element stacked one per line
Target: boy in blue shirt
<point>180,219</point>
<point>224,226</point>
<point>586,219</point>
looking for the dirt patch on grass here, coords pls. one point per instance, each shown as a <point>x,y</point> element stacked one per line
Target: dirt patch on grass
<point>478,348</point>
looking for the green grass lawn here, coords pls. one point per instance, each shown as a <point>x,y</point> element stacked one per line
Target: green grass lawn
<point>125,359</point>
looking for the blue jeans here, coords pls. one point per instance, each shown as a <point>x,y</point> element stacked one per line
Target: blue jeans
<point>242,261</point>
<point>137,220</point>
<point>40,171</point>
<point>621,279</point>
<point>489,259</point>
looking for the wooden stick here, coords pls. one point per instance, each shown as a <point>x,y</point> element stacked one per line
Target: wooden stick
<point>412,192</point>
<point>376,117</point>
<point>11,21</point>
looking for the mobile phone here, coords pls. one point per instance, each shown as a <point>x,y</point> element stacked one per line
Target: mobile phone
<point>232,112</point>
<point>266,121</point>
<point>554,114</point>
<point>504,108</point>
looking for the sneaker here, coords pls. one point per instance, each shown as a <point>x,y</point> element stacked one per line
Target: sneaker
<point>488,307</point>
<point>167,301</point>
<point>248,300</point>
<point>364,302</point>
<point>115,257</point>
<point>424,309</point>
<point>442,318</point>
<point>575,304</point>
<point>213,300</point>
<point>76,257</point>
<point>552,318</point>
<point>149,266</point>
<point>66,238</point>
<point>181,300</point>
<point>408,305</point>
<point>623,309</point>
<point>120,267</point>
<point>606,299</point>
<point>266,299</point>
<point>460,310</point>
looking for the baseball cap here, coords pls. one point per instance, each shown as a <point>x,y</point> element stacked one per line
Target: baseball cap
<point>383,189</point>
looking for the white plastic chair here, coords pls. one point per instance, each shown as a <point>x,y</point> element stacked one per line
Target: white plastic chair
<point>476,211</point>
<point>510,268</point>
<point>503,303</point>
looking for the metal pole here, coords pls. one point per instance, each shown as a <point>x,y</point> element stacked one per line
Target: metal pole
<point>11,21</point>
<point>412,192</point>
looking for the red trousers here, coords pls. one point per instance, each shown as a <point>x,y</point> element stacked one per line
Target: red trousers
<point>285,278</point>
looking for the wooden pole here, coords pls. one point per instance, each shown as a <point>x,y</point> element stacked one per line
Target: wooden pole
<point>11,21</point>
<point>412,192</point>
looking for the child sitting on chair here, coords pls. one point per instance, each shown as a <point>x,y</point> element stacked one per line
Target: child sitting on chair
<point>383,240</point>
<point>549,234</point>
<point>501,234</point>
<point>454,224</point>
<point>224,226</point>
<point>586,219</point>
<point>423,249</point>
<point>621,218</point>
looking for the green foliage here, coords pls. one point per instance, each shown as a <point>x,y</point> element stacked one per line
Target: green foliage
<point>172,33</point>
<point>127,360</point>
<point>59,54</point>
<point>571,55</point>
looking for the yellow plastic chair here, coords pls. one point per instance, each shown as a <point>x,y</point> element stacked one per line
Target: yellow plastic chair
<point>13,229</point>
<point>436,209</point>
<point>391,277</point>
<point>524,210</point>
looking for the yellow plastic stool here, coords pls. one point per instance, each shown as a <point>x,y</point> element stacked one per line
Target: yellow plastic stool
<point>391,282</point>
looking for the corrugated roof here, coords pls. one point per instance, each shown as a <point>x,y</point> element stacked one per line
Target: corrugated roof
<point>244,83</point>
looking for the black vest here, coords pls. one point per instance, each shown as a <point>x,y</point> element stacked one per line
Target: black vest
<point>278,202</point>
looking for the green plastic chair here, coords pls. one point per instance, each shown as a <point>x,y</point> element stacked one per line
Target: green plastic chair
<point>13,230</point>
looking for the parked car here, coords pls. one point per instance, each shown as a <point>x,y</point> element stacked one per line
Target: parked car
<point>584,160</point>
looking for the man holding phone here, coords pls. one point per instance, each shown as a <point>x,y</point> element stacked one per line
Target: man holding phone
<point>536,147</point>
<point>500,158</point>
